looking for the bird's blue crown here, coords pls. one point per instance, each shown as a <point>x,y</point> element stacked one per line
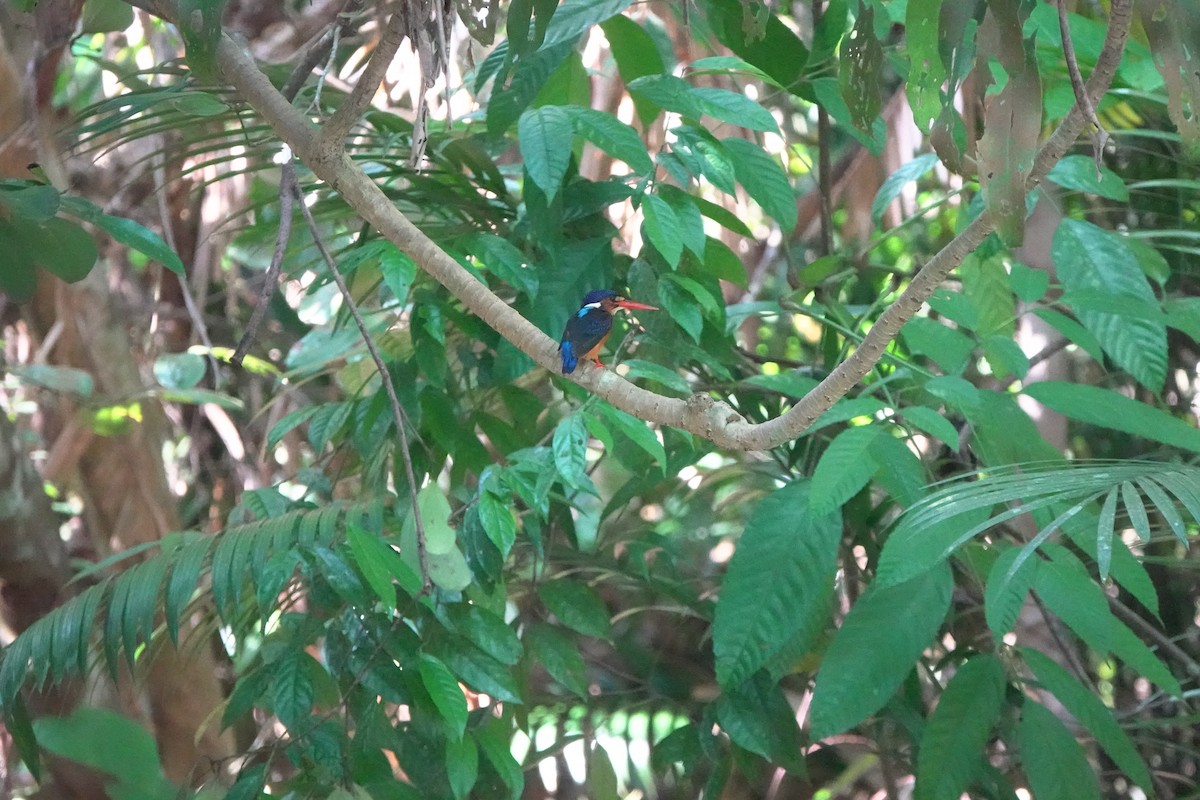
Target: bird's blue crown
<point>596,295</point>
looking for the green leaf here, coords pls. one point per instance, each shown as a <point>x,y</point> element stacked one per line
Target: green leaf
<point>462,766</point>
<point>895,183</point>
<point>601,779</point>
<point>544,135</point>
<point>480,671</point>
<point>880,640</point>
<point>1006,590</point>
<point>735,108</point>
<point>758,717</point>
<point>956,735</point>
<point>292,691</point>
<point>105,16</point>
<point>955,307</point>
<point>36,202</point>
<point>932,423</point>
<point>691,223</point>
<point>845,468</point>
<point>1073,331</point>
<point>1090,258</point>
<point>637,431</point>
<point>661,228</point>
<point>1091,713</point>
<point>398,270</point>
<point>613,137</point>
<point>955,392</point>
<point>112,744</point>
<point>675,94</point>
<point>636,54</point>
<point>721,262</point>
<point>761,175</point>
<point>1078,172</point>
<point>199,23</point>
<point>56,245</point>
<point>379,564</point>
<point>789,384</point>
<point>574,17</point>
<point>57,379</point>
<point>1065,588</point>
<point>1113,410</point>
<point>1028,284</point>
<point>555,651</point>
<point>449,570</point>
<point>486,631</point>
<point>785,539</point>
<point>140,238</point>
<point>681,307</point>
<point>950,349</point>
<point>577,606</point>
<point>1006,358</point>
<point>180,370</point>
<point>664,376</point>
<point>495,740</point>
<point>570,450</point>
<point>20,728</point>
<point>1055,764</point>
<point>495,512</point>
<point>447,697</point>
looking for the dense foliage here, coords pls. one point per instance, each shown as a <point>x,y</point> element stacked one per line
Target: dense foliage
<point>459,574</point>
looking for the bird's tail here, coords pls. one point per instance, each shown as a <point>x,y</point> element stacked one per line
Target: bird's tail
<point>568,358</point>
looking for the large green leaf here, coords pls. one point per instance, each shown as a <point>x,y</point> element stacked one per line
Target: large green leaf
<point>1109,409</point>
<point>613,137</point>
<point>876,648</point>
<point>110,743</point>
<point>544,135</point>
<point>1089,258</point>
<point>577,606</point>
<point>555,651</point>
<point>1091,713</point>
<point>845,467</point>
<point>574,17</point>
<point>953,743</point>
<point>661,228</point>
<point>785,539</point>
<point>447,697</point>
<point>1055,764</point>
<point>761,175</point>
<point>757,716</point>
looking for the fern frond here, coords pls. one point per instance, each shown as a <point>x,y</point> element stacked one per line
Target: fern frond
<point>126,607</point>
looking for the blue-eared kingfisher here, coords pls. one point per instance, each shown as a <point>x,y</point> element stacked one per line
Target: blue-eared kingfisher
<point>589,327</point>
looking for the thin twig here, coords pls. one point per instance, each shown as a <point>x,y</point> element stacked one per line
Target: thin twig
<point>824,165</point>
<point>1164,642</point>
<point>333,132</point>
<point>1099,135</point>
<point>287,194</point>
<point>398,415</point>
<point>189,302</point>
<point>320,50</point>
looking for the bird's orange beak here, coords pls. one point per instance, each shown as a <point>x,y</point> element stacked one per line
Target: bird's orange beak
<point>629,305</point>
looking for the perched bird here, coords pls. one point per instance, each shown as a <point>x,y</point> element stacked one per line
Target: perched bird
<point>590,326</point>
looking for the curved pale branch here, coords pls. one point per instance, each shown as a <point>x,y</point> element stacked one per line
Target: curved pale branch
<point>699,414</point>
